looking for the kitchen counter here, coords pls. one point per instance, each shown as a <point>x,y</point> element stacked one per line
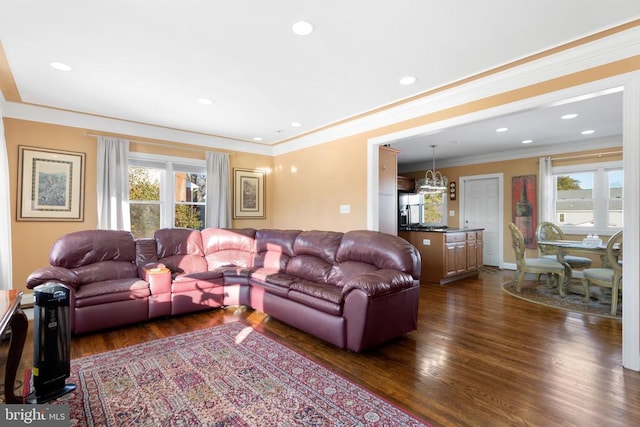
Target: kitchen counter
<point>448,254</point>
<point>438,229</point>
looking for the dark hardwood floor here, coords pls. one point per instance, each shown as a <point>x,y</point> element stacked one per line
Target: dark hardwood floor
<point>479,358</point>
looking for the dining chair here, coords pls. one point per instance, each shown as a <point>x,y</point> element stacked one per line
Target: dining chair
<point>550,267</point>
<point>550,231</point>
<point>608,276</point>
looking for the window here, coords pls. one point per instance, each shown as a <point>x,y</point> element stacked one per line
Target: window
<point>166,193</point>
<point>588,198</point>
<point>435,208</point>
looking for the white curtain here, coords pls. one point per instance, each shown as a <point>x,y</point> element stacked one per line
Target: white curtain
<point>218,205</point>
<point>113,183</point>
<point>545,190</point>
<point>6,266</point>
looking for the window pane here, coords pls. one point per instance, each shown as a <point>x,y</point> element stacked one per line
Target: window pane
<point>574,199</point>
<point>434,207</point>
<point>144,183</point>
<point>145,219</point>
<point>191,187</point>
<point>144,200</point>
<point>615,180</point>
<point>189,216</point>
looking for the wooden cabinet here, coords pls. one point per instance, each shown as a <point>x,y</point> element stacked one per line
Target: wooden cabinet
<point>406,184</point>
<point>474,250</point>
<point>449,256</point>
<point>455,253</point>
<point>388,190</point>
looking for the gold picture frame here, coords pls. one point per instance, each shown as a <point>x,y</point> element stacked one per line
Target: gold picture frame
<point>50,185</point>
<point>248,194</point>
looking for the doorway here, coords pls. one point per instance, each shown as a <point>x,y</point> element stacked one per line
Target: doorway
<point>481,202</point>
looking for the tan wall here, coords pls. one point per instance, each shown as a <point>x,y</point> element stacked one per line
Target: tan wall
<point>31,240</point>
<point>311,184</point>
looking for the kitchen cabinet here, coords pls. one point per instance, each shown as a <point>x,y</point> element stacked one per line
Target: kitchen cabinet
<point>447,255</point>
<point>474,250</point>
<point>387,190</point>
<point>406,184</point>
<point>455,253</point>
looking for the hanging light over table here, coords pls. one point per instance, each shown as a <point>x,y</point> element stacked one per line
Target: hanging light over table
<point>433,181</point>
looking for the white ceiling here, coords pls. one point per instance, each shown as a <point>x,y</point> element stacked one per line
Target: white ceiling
<point>544,126</point>
<point>149,61</point>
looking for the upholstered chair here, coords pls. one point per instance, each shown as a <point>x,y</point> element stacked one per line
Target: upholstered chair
<point>547,231</point>
<point>608,276</point>
<point>524,265</point>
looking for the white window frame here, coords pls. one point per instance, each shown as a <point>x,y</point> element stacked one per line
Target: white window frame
<point>600,195</point>
<point>168,165</point>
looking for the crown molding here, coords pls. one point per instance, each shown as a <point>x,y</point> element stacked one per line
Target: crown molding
<point>42,114</point>
<point>603,51</point>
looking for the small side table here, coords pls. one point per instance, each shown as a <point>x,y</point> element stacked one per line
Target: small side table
<point>12,317</point>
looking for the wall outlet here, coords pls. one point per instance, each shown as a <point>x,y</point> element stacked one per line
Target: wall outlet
<point>452,213</point>
<point>345,209</point>
<point>426,242</point>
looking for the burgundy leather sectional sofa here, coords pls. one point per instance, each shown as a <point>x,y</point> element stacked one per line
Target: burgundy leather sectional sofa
<point>355,290</point>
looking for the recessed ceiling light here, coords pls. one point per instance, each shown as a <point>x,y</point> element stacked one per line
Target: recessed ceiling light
<point>527,141</point>
<point>205,101</point>
<point>257,138</point>
<point>569,116</point>
<point>588,132</point>
<point>302,28</point>
<point>502,129</point>
<point>408,80</point>
<point>296,124</point>
<point>60,66</point>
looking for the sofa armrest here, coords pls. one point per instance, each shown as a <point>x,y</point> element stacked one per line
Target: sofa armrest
<point>53,273</point>
<point>143,269</point>
<point>379,283</point>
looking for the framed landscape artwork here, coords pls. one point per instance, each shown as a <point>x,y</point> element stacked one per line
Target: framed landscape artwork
<point>50,185</point>
<point>248,194</point>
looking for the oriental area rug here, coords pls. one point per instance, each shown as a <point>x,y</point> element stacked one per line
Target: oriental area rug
<point>229,375</point>
<point>539,292</point>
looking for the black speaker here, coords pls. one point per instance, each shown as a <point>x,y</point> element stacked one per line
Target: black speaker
<point>51,343</point>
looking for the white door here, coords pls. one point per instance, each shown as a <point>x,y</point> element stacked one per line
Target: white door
<point>481,207</point>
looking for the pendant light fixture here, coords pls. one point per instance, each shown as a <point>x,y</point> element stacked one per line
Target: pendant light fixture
<point>433,181</point>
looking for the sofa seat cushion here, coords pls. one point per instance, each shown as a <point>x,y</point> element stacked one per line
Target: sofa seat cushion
<point>202,275</point>
<point>327,298</point>
<point>273,276</point>
<point>233,271</point>
<point>111,291</point>
<point>273,281</point>
<point>197,281</point>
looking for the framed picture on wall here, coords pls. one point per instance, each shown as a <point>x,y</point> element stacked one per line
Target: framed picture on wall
<point>524,209</point>
<point>50,185</point>
<point>248,194</point>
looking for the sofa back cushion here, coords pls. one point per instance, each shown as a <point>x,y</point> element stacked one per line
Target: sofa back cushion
<point>315,255</point>
<point>226,247</point>
<point>96,254</point>
<point>274,248</point>
<point>105,270</point>
<point>89,246</point>
<point>180,249</point>
<point>381,250</point>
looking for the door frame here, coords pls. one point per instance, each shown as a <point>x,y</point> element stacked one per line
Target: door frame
<point>463,181</point>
